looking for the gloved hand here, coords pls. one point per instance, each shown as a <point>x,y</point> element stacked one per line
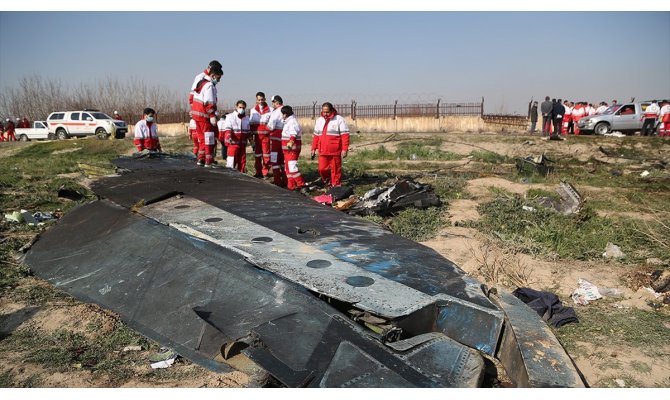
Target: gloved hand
<point>212,120</point>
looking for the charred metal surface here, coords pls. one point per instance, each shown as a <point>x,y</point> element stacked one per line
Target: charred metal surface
<point>530,352</point>
<point>213,259</point>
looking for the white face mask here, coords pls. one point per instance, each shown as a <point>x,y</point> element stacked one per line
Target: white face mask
<point>240,111</point>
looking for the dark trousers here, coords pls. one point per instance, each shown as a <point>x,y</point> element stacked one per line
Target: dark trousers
<point>648,126</point>
<point>558,123</point>
<point>546,123</point>
<point>532,126</point>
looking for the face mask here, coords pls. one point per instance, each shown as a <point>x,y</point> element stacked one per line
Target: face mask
<point>150,119</point>
<point>215,81</point>
<point>240,111</point>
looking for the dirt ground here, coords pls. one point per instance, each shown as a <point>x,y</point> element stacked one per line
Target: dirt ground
<point>459,244</point>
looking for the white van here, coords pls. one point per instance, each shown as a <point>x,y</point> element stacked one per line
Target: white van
<point>65,124</point>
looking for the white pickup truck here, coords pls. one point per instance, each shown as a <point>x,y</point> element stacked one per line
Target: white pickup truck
<point>38,131</point>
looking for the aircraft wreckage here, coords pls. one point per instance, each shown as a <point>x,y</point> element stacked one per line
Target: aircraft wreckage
<point>234,273</point>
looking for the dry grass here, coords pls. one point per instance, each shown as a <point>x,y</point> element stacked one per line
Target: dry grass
<point>501,267</point>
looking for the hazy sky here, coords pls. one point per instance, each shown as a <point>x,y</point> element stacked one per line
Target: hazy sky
<point>373,57</point>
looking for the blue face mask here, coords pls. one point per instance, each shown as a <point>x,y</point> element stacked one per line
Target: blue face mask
<point>215,81</point>
<point>150,119</point>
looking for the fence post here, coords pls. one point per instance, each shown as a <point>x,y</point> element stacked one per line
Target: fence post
<point>481,112</point>
<point>437,112</point>
<point>353,110</point>
<point>313,110</point>
<point>395,110</point>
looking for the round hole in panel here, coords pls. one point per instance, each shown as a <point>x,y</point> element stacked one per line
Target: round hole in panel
<point>360,281</point>
<point>319,263</point>
<point>262,239</point>
<point>214,219</point>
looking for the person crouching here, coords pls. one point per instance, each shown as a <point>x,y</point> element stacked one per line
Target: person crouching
<point>235,135</point>
<point>146,132</point>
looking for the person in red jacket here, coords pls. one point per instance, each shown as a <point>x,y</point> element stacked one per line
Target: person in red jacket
<point>258,119</point>
<point>117,116</point>
<point>9,130</point>
<point>331,140</point>
<point>291,143</point>
<point>2,132</point>
<point>235,134</point>
<point>275,126</point>
<point>146,132</point>
<point>203,111</point>
<point>200,76</point>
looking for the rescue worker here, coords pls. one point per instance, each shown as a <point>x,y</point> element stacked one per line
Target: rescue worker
<point>146,132</point>
<point>236,131</point>
<point>200,76</point>
<point>117,116</point>
<point>9,131</point>
<point>664,116</point>
<point>203,111</point>
<point>649,117</point>
<point>193,135</point>
<point>331,140</point>
<point>291,144</point>
<point>601,108</point>
<point>275,126</point>
<point>258,119</point>
<point>578,113</point>
<point>567,118</point>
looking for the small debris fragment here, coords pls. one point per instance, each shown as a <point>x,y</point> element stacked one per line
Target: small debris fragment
<point>612,251</point>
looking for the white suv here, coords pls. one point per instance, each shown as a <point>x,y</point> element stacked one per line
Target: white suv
<point>65,124</point>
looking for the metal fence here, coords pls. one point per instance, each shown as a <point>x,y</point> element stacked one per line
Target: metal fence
<point>352,110</point>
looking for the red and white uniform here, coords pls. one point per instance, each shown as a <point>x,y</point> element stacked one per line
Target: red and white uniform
<point>236,132</point>
<point>197,79</point>
<point>2,132</point>
<point>203,111</point>
<point>275,126</point>
<point>9,131</point>
<point>291,135</point>
<point>146,136</point>
<point>578,113</point>
<point>588,110</point>
<point>664,116</point>
<point>331,138</point>
<point>258,120</point>
<point>193,135</point>
<point>652,111</point>
<point>601,109</point>
<point>567,117</point>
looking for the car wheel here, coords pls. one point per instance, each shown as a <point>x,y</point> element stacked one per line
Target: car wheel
<point>51,136</point>
<point>23,138</point>
<point>101,133</point>
<point>61,134</point>
<point>602,128</point>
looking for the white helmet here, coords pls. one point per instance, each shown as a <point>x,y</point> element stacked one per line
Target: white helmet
<point>116,112</point>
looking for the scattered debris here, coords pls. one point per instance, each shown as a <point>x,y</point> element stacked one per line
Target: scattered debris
<point>614,134</point>
<point>69,194</point>
<point>340,192</point>
<point>571,201</point>
<point>387,200</point>
<point>326,199</point>
<point>620,382</point>
<point>534,165</point>
<point>661,282</point>
<point>28,218</point>
<point>527,208</point>
<point>163,359</point>
<point>345,204</point>
<point>585,292</point>
<point>547,305</point>
<point>132,348</point>
<point>66,150</point>
<point>613,251</point>
<point>610,292</point>
<point>644,174</point>
<point>616,172</point>
<point>43,216</point>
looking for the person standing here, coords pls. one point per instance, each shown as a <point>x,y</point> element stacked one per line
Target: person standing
<point>2,132</point>
<point>9,130</point>
<point>235,134</point>
<point>546,108</point>
<point>203,111</point>
<point>258,119</point>
<point>567,118</point>
<point>649,117</point>
<point>275,126</point>
<point>331,140</point>
<point>291,143</point>
<point>117,116</point>
<point>146,132</point>
<point>664,116</point>
<point>578,113</point>
<point>557,112</point>
<point>533,117</point>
